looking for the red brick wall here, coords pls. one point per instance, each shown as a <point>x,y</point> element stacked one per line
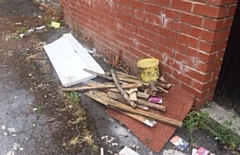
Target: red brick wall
<point>187,36</point>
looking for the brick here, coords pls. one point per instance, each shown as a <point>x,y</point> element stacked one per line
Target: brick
<point>203,86</point>
<point>170,13</point>
<point>149,43</point>
<point>124,17</point>
<point>168,33</point>
<point>129,41</point>
<point>152,8</point>
<point>177,26</point>
<point>113,13</point>
<point>124,2</point>
<point>138,5</point>
<point>159,20</point>
<point>162,2</point>
<point>165,50</point>
<point>212,47</point>
<point>186,28</point>
<point>133,51</point>
<point>168,23</point>
<point>152,27</point>
<point>200,55</point>
<point>118,23</point>
<point>136,21</point>
<point>207,67</point>
<point>136,38</point>
<point>149,17</point>
<point>143,32</point>
<point>124,32</point>
<point>231,10</point>
<point>184,59</point>
<point>222,2</point>
<point>172,79</point>
<point>136,13</point>
<point>182,5</point>
<point>143,48</point>
<point>199,76</point>
<point>209,10</point>
<point>214,24</point>
<point>188,40</point>
<point>183,78</point>
<point>191,19</point>
<point>195,92</point>
<point>155,54</point>
<point>158,38</point>
<point>130,27</point>
<point>176,46</point>
<point>166,69</point>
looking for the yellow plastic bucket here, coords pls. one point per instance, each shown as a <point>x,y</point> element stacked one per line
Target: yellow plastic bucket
<point>148,69</point>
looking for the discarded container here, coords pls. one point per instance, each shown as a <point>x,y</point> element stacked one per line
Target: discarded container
<point>148,69</point>
<point>55,25</point>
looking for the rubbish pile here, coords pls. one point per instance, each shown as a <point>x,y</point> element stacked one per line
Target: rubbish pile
<point>129,95</point>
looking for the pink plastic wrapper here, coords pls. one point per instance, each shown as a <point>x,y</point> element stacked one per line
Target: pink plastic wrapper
<point>155,100</point>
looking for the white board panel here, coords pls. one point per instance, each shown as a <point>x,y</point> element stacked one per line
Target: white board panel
<point>69,62</point>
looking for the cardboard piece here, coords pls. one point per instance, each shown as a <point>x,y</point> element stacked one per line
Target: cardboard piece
<point>69,59</point>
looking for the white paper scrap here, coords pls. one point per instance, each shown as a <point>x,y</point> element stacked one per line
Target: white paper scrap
<point>127,151</point>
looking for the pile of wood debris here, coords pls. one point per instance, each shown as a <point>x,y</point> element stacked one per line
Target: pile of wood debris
<point>129,95</point>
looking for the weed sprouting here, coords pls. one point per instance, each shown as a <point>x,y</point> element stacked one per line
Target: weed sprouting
<point>201,120</point>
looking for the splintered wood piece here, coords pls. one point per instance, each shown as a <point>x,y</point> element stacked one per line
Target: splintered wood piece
<point>163,84</point>
<point>143,95</point>
<point>119,97</point>
<point>121,89</point>
<point>116,104</point>
<point>135,85</point>
<point>101,75</point>
<point>133,94</point>
<point>127,75</point>
<point>160,88</point>
<point>142,119</point>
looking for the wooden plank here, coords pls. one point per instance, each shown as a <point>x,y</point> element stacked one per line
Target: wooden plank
<point>117,96</point>
<point>116,104</point>
<point>135,85</point>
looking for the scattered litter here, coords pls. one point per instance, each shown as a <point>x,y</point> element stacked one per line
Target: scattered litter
<point>102,151</point>
<point>34,109</point>
<point>5,133</point>
<point>155,99</point>
<point>15,97</point>
<point>37,64</point>
<point>172,152</point>
<point>18,23</point>
<point>29,74</point>
<point>179,142</point>
<point>127,151</point>
<point>40,27</point>
<point>21,35</point>
<point>114,144</point>
<point>56,25</point>
<point>30,31</point>
<point>108,140</point>
<point>91,51</point>
<point>14,135</point>
<point>200,151</point>
<point>11,130</point>
<point>3,127</point>
<point>14,149</point>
